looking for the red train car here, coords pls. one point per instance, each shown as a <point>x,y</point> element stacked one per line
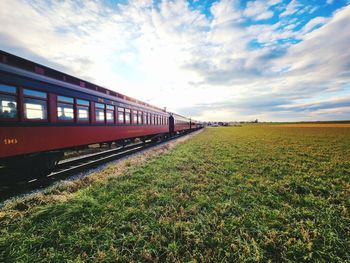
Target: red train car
<point>179,123</point>
<point>44,111</point>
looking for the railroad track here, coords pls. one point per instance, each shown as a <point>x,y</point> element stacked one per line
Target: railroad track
<point>73,166</point>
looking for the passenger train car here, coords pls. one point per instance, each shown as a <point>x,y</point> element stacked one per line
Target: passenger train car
<point>44,112</point>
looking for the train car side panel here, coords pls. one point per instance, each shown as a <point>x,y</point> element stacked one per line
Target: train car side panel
<point>25,140</point>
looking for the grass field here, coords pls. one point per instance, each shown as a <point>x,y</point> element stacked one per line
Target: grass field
<point>252,193</point>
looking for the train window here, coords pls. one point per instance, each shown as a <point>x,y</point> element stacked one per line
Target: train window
<point>100,112</point>
<point>65,99</point>
<point>110,113</point>
<point>83,113</point>
<point>121,115</point>
<point>7,89</point>
<point>34,93</point>
<point>134,117</point>
<point>140,117</point>
<point>127,116</point>
<point>8,106</point>
<point>35,109</point>
<point>100,115</point>
<point>83,110</point>
<point>149,118</point>
<point>83,102</point>
<point>65,112</point>
<point>65,108</point>
<point>145,118</point>
<point>99,105</point>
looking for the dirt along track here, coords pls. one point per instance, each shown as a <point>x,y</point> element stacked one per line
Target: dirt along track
<point>28,189</point>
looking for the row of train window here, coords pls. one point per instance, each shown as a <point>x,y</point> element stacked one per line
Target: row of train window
<point>35,108</point>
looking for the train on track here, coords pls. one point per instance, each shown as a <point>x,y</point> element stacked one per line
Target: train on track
<point>44,112</point>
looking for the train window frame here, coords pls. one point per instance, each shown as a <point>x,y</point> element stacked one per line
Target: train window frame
<point>65,99</point>
<point>64,102</point>
<point>7,91</point>
<point>145,114</point>
<point>127,113</point>
<point>110,110</point>
<point>139,117</point>
<point>32,101</point>
<point>33,93</point>
<point>122,111</point>
<point>40,97</point>
<point>12,97</point>
<point>98,108</point>
<point>82,105</point>
<point>134,117</point>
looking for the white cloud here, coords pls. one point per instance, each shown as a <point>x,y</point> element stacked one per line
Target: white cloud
<point>323,54</point>
<point>225,11</point>
<point>291,8</point>
<point>258,10</point>
<point>312,24</point>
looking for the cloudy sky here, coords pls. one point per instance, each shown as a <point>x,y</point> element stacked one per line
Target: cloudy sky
<point>279,60</point>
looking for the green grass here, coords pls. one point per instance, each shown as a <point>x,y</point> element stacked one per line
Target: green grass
<point>248,194</point>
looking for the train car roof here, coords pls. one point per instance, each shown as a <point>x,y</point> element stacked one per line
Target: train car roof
<point>18,65</point>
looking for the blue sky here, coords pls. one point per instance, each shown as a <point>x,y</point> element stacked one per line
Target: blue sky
<point>278,60</point>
